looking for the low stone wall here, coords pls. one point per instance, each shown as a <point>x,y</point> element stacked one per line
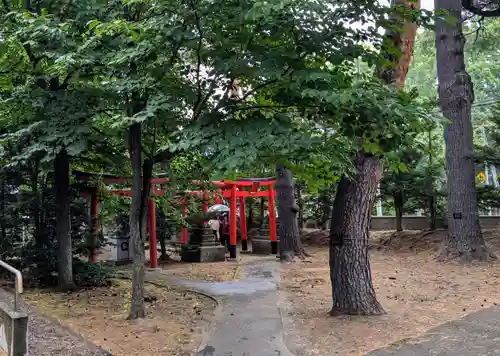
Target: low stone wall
<point>414,223</point>
<point>421,222</point>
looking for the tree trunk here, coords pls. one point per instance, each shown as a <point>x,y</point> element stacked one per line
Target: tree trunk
<point>37,203</point>
<point>432,211</point>
<point>352,288</point>
<point>3,230</point>
<point>398,206</point>
<point>3,222</point>
<point>290,244</point>
<point>137,224</point>
<point>250,214</point>
<point>261,213</point>
<point>464,240</point>
<point>300,204</point>
<point>161,221</point>
<point>338,207</point>
<point>63,228</point>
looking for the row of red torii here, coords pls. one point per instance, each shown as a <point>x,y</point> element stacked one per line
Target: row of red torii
<point>230,189</point>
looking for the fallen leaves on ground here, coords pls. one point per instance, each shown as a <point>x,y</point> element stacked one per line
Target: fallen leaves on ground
<point>213,272</point>
<point>417,291</point>
<point>173,325</point>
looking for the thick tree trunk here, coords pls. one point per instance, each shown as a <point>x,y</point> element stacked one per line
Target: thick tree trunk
<point>338,207</point>
<point>137,224</point>
<point>352,288</point>
<point>63,228</point>
<point>398,206</point>
<point>3,230</point>
<point>465,240</point>
<point>300,204</point>
<point>290,244</point>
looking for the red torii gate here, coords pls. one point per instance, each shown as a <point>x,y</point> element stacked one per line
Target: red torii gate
<point>227,189</point>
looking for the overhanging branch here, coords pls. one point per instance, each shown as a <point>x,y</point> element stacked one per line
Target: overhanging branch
<point>469,5</point>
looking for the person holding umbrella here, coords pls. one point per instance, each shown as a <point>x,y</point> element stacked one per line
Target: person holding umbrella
<point>224,230</point>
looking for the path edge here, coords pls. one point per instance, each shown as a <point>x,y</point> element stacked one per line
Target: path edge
<point>281,311</point>
<point>209,328</point>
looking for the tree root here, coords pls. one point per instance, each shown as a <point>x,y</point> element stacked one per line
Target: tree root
<point>480,253</point>
<point>376,310</point>
<point>137,314</point>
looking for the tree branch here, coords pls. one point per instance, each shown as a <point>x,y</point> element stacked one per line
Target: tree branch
<point>469,6</point>
<point>198,59</point>
<point>164,156</point>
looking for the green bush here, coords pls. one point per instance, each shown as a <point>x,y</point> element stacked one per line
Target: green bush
<point>87,274</point>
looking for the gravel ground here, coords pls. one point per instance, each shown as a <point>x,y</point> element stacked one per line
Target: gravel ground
<point>47,338</point>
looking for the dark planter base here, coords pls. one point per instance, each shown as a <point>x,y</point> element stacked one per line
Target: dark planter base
<point>204,254</point>
<point>264,246</point>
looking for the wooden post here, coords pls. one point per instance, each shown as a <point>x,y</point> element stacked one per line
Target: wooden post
<point>153,251</point>
<point>184,227</point>
<point>232,223</point>
<point>94,215</point>
<point>205,205</point>
<point>272,221</point>
<point>243,225</point>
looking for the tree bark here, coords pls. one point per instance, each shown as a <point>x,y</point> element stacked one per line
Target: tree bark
<point>261,212</point>
<point>464,240</point>
<point>432,211</point>
<point>63,227</point>
<point>398,206</point>
<point>3,230</point>
<point>138,216</point>
<point>300,205</point>
<point>352,287</point>
<point>290,244</point>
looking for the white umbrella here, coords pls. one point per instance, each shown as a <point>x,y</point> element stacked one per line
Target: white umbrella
<point>218,208</point>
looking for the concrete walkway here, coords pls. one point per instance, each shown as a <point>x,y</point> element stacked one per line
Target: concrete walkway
<point>250,321</point>
<point>477,334</point>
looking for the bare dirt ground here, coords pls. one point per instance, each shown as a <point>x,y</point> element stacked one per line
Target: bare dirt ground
<point>173,326</point>
<point>418,293</point>
<point>173,267</point>
<point>214,272</point>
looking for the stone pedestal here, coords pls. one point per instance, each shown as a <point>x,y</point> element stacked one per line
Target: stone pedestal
<point>202,247</point>
<point>262,244</point>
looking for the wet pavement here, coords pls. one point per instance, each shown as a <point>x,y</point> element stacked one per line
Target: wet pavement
<point>256,279</point>
<point>250,324</point>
